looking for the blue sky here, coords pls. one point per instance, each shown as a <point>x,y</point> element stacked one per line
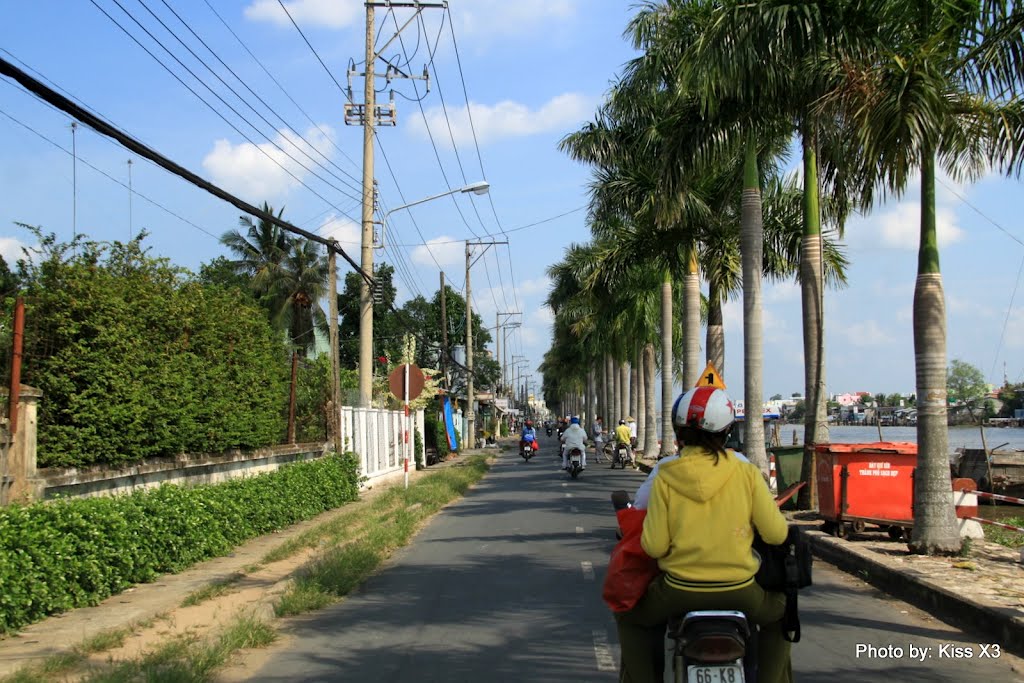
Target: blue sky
<point>534,70</point>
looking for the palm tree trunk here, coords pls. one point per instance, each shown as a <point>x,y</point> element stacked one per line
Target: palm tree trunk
<point>667,434</point>
<point>691,321</point>
<point>716,329</point>
<point>624,389</point>
<point>935,527</point>
<point>591,399</point>
<point>616,395</point>
<point>751,247</point>
<point>650,402</point>
<point>812,288</point>
<point>609,399</point>
<point>641,392</point>
<point>634,379</point>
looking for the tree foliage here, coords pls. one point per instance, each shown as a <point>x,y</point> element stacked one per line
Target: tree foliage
<point>136,358</point>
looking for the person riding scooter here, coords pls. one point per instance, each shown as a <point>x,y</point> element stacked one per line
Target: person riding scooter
<point>574,437</point>
<point>709,489</point>
<point>622,438</point>
<point>528,437</point>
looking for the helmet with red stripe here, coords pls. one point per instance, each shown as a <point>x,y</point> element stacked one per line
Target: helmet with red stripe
<point>705,408</point>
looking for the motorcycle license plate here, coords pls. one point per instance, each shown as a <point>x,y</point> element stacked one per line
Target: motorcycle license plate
<point>719,673</point>
<point>576,460</point>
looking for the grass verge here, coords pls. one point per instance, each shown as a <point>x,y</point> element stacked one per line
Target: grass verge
<point>65,662</point>
<point>1011,539</point>
<point>212,590</point>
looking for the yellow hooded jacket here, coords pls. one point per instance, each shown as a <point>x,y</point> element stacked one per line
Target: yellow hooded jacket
<point>701,519</point>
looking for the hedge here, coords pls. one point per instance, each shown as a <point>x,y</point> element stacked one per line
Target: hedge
<point>76,552</point>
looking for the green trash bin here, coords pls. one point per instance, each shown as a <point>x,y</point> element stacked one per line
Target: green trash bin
<point>789,462</point>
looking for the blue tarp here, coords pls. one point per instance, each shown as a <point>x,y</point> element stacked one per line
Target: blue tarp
<point>449,423</point>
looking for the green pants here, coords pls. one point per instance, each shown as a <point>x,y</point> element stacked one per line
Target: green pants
<point>642,629</point>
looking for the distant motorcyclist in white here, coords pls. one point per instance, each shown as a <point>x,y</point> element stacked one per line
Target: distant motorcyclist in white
<point>574,437</point>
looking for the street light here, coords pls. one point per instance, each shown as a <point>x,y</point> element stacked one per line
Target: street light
<point>366,297</point>
<point>479,187</point>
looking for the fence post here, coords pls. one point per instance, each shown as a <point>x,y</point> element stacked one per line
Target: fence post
<point>26,486</point>
<point>291,398</point>
<point>16,353</point>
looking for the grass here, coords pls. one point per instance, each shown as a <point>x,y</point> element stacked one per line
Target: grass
<point>212,590</point>
<point>353,546</point>
<point>1011,539</point>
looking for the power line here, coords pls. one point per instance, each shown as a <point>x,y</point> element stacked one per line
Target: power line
<point>312,49</point>
<point>104,128</point>
<point>282,88</point>
<point>347,183</point>
<point>1006,321</point>
<point>108,176</point>
<point>979,212</point>
<point>517,229</point>
<point>217,95</point>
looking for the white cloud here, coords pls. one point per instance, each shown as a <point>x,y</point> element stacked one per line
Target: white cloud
<point>11,249</point>
<point>446,251</point>
<point>782,292</point>
<point>344,230</point>
<point>1014,336</point>
<point>490,17</point>
<point>540,285</point>
<point>262,171</point>
<point>325,13</point>
<point>866,333</point>
<point>506,119</point>
<point>901,227</point>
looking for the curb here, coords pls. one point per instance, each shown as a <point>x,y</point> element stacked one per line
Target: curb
<point>1000,624</point>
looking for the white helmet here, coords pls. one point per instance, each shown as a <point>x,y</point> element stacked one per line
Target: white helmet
<point>706,408</point>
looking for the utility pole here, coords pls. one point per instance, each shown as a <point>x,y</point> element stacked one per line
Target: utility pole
<point>366,254</point>
<point>444,337</point>
<point>469,334</point>
<point>335,421</point>
<point>368,114</point>
<point>501,359</point>
<point>129,199</point>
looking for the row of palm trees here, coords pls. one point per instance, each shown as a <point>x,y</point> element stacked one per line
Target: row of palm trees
<point>685,153</point>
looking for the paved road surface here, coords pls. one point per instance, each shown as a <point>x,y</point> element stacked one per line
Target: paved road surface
<point>505,585</point>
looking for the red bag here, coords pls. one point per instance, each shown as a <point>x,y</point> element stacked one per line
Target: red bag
<point>536,445</point>
<point>630,569</point>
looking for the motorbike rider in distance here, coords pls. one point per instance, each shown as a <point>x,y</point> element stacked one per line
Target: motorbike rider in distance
<point>528,436</point>
<point>624,437</point>
<point>574,437</point>
<point>696,502</point>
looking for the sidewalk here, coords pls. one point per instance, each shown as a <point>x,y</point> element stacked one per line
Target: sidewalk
<point>144,603</point>
<point>982,592</point>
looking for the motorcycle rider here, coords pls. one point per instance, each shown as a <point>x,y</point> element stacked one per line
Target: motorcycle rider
<point>622,437</point>
<point>696,501</point>
<point>598,431</point>
<point>528,436</point>
<point>574,437</point>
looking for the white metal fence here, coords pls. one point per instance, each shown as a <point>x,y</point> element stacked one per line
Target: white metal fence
<point>378,437</point>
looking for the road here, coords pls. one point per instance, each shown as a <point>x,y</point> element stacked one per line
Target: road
<point>505,585</point>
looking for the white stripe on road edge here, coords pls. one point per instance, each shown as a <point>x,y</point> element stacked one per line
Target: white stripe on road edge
<point>579,530</point>
<point>564,484</point>
<point>568,495</point>
<point>588,570</point>
<point>603,652</point>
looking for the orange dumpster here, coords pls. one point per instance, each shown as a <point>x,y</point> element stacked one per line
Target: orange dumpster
<point>866,483</point>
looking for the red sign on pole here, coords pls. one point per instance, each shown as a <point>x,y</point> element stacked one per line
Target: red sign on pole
<point>396,382</point>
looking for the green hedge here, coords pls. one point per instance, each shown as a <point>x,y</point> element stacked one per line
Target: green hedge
<point>75,552</point>
<point>136,359</point>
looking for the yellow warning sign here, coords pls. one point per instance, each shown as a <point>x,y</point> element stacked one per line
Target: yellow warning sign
<point>710,378</point>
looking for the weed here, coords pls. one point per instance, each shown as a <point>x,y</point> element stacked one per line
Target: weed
<point>303,596</point>
<point>212,590</point>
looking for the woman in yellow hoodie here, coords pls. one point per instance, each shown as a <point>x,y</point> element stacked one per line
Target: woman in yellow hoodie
<point>700,523</point>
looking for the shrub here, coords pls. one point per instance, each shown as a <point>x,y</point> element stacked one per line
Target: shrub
<point>75,552</point>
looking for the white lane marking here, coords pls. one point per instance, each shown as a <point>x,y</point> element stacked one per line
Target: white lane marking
<point>564,484</point>
<point>579,530</point>
<point>588,570</point>
<point>568,495</point>
<point>603,652</point>
<point>574,508</point>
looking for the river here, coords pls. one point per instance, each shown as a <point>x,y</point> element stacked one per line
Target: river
<point>959,437</point>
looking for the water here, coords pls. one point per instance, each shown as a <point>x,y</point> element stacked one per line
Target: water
<point>1008,438</point>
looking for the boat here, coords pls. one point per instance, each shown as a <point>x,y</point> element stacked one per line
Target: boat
<point>1007,470</point>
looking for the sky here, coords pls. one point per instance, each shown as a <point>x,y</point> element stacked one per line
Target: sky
<point>531,71</point>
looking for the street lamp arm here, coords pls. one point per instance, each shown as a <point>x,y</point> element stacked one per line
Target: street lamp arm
<point>479,187</point>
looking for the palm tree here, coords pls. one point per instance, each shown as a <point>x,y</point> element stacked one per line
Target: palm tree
<point>930,98</point>
<point>259,251</point>
<point>301,285</point>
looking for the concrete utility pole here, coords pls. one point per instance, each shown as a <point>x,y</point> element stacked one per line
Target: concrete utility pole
<point>334,424</point>
<point>366,260</point>
<point>369,115</point>
<point>470,397</point>
<point>444,337</point>
<point>504,343</point>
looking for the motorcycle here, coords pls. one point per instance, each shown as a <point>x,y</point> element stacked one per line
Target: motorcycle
<point>526,450</point>
<point>549,431</point>
<point>621,456</point>
<point>575,462</point>
<point>710,646</point>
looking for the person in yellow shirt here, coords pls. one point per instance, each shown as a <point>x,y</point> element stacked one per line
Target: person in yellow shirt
<point>624,436</point>
<point>701,516</point>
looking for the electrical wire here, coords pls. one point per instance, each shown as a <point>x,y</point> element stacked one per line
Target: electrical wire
<point>312,49</point>
<point>110,177</point>
<point>200,98</point>
<point>354,187</point>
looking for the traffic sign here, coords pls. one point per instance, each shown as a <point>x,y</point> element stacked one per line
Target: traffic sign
<point>396,382</point>
<point>710,378</point>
